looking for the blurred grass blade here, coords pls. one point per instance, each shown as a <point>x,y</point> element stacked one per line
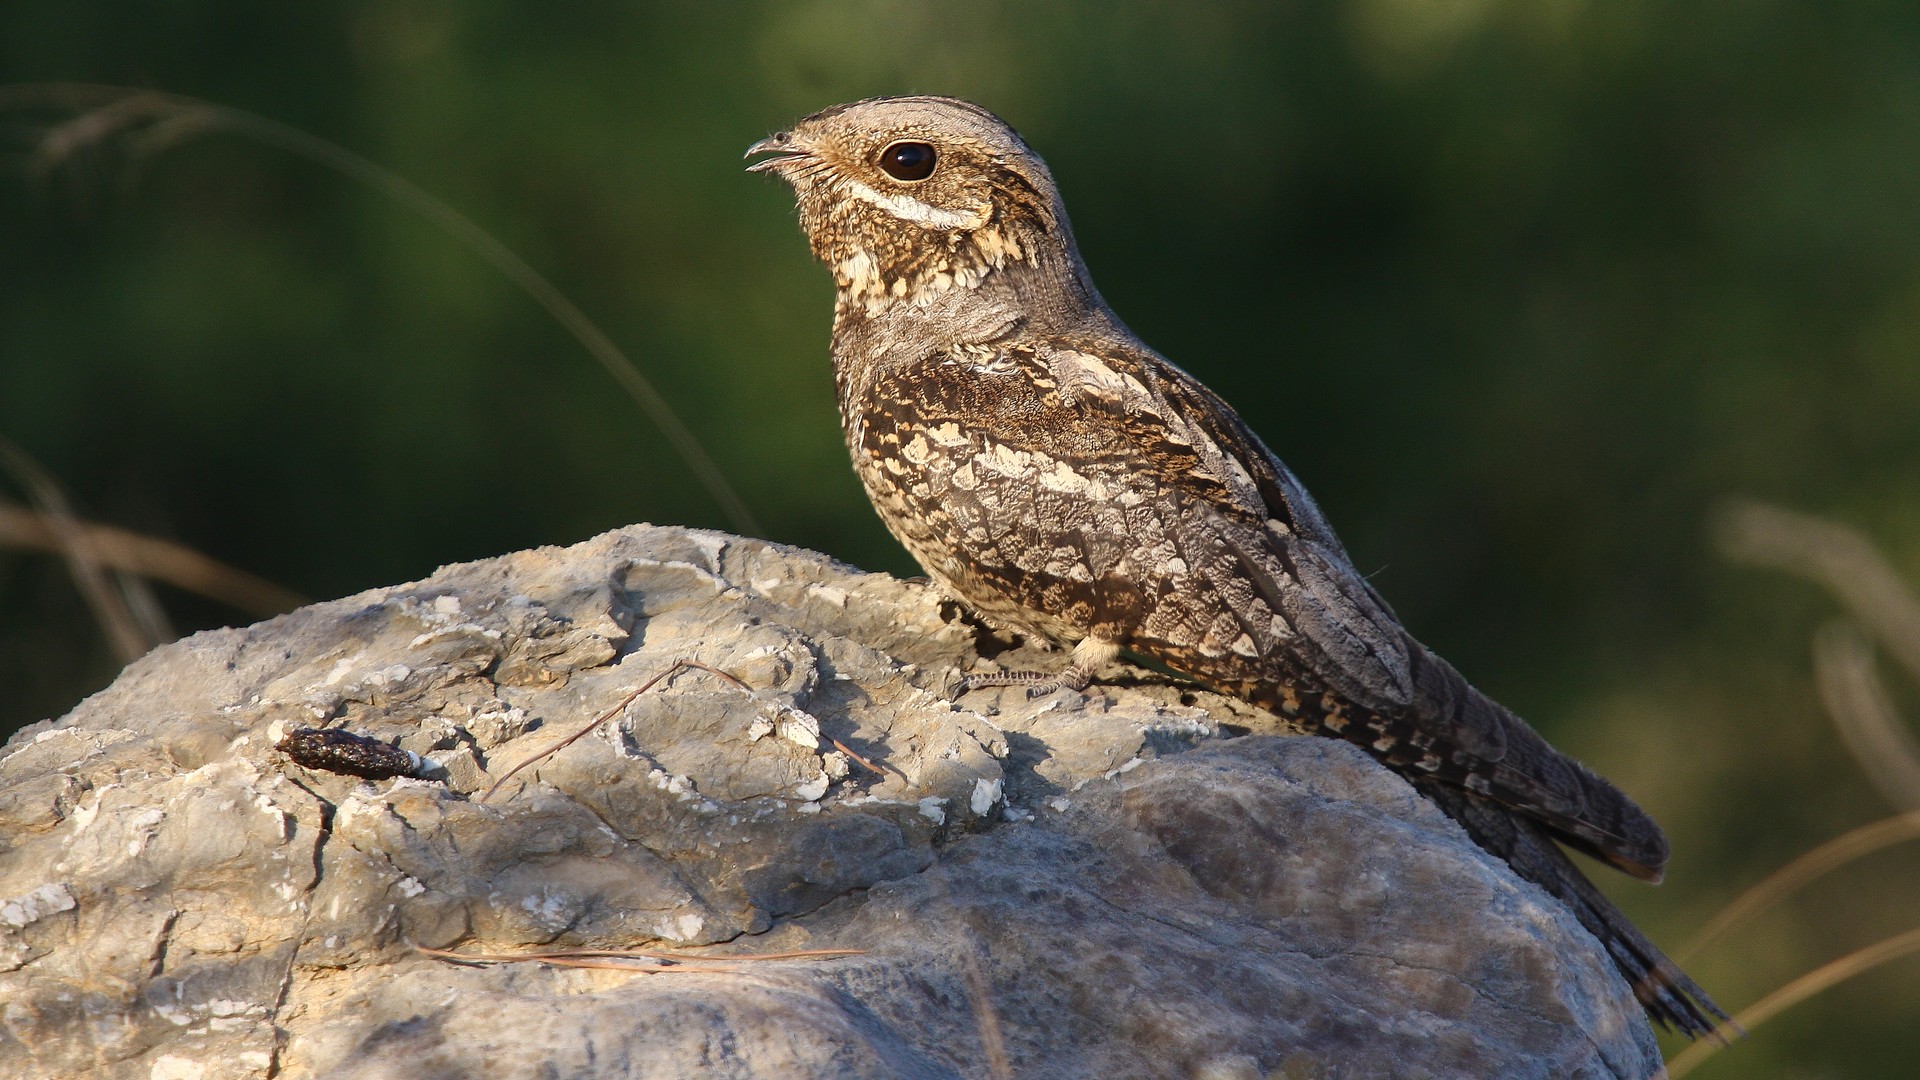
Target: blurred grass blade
<point>1803,871</point>
<point>979,991</point>
<point>986,1019</point>
<point>150,557</point>
<point>1800,989</point>
<point>141,603</point>
<point>1836,557</point>
<point>165,119</point>
<point>1865,715</point>
<point>130,639</point>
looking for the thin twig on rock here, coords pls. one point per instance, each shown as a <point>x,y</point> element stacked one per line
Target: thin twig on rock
<point>676,666</point>
<point>663,962</point>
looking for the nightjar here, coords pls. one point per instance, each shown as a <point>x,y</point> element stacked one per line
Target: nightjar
<point>1062,479</point>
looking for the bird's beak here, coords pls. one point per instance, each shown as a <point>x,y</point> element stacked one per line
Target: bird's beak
<point>782,146</point>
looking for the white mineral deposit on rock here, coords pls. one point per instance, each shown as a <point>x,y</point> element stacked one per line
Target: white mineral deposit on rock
<point>985,794</point>
<point>33,906</point>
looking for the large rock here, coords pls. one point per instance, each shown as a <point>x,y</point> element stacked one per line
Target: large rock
<point>1107,887</point>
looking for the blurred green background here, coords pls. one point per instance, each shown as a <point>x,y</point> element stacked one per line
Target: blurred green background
<point>1522,290</point>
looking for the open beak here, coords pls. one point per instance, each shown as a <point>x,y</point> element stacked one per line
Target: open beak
<point>783,148</point>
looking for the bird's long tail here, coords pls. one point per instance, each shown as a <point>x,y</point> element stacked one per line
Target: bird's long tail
<point>1514,794</point>
<point>1668,994</point>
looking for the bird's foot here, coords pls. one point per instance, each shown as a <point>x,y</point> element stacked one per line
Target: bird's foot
<point>1089,657</point>
<point>1038,683</point>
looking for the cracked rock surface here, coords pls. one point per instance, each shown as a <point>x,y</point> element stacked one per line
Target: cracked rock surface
<point>1144,882</point>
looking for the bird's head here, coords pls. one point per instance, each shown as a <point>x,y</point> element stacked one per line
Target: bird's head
<point>908,198</point>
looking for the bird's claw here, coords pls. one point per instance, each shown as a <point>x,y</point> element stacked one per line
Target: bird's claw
<point>1038,683</point>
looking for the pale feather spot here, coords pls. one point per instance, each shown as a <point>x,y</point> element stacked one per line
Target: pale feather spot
<point>948,434</point>
<point>1063,479</point>
<point>965,478</point>
<point>1078,373</point>
<point>1005,460</point>
<point>997,247</point>
<point>917,451</point>
<point>1239,477</point>
<point>857,271</point>
<point>1161,553</point>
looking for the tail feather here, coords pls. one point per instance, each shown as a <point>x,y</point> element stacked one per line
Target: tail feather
<point>1670,997</point>
<point>1515,795</point>
<point>1489,750</point>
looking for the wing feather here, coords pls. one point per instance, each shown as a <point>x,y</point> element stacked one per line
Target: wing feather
<point>1349,639</point>
<point>1217,499</point>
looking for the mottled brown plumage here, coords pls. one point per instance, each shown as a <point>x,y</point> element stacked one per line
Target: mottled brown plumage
<point>1062,479</point>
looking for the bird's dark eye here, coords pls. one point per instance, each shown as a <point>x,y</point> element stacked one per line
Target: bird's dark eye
<point>908,161</point>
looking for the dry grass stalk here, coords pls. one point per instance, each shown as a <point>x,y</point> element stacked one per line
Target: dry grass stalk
<point>1803,871</point>
<point>617,709</point>
<point>980,996</point>
<point>1864,714</point>
<point>149,557</point>
<point>979,990</point>
<point>1836,557</point>
<point>150,121</point>
<point>870,766</point>
<point>132,636</point>
<point>1800,989</point>
<point>645,961</point>
<point>1849,567</point>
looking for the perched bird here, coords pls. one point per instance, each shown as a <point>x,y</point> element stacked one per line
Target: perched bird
<point>1055,474</point>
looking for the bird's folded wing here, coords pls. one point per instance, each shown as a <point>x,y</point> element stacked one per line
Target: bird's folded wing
<point>1350,640</point>
<point>1222,489</point>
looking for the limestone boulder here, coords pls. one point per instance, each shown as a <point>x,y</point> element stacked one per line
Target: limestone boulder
<point>1144,881</point>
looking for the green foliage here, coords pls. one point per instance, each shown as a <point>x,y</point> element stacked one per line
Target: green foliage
<point>1522,290</point>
